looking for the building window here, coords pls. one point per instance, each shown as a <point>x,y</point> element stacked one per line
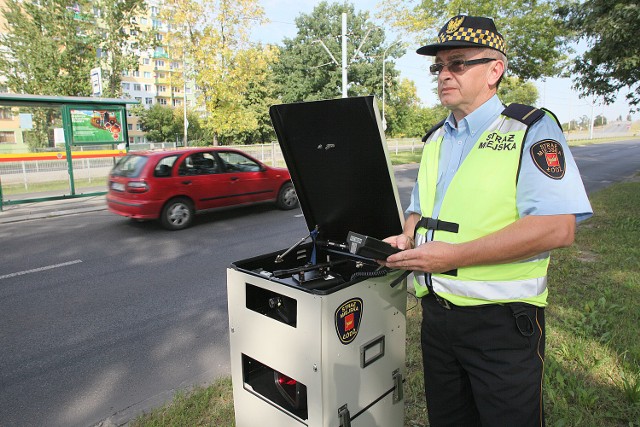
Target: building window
<point>147,88</point>
<point>136,73</point>
<point>145,61</point>
<point>125,72</point>
<point>148,101</point>
<point>125,86</point>
<point>7,138</point>
<point>129,126</point>
<point>159,63</point>
<point>147,74</point>
<point>159,37</point>
<point>161,75</point>
<point>162,88</point>
<point>162,101</point>
<point>138,127</point>
<point>6,114</point>
<point>177,102</point>
<point>136,86</point>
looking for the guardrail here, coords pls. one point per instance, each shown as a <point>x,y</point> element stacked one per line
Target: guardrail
<point>34,177</point>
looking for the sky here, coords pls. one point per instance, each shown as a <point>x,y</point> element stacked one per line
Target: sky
<point>555,94</point>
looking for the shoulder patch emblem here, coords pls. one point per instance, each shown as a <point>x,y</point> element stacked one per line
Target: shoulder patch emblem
<point>549,158</point>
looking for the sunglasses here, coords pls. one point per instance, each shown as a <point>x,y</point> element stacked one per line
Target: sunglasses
<point>457,66</point>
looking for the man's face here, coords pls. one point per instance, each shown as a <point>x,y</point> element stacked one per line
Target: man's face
<point>463,91</point>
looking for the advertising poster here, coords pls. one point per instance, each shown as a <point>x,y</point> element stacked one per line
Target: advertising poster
<point>95,126</point>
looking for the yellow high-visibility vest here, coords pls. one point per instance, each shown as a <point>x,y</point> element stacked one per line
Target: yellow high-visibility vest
<point>481,199</point>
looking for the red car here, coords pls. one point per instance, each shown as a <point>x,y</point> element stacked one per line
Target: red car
<point>174,185</point>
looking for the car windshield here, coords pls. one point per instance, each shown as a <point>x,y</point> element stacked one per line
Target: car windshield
<point>129,166</point>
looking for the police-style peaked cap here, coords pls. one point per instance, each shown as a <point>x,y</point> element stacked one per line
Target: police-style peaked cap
<point>466,31</point>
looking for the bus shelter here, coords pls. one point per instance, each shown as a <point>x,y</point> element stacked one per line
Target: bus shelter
<point>91,128</point>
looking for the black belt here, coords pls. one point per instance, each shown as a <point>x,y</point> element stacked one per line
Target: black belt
<point>437,224</point>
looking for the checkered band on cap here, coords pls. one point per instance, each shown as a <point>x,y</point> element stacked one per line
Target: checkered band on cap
<point>475,36</point>
<point>466,31</point>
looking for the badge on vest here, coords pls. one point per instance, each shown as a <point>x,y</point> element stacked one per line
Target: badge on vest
<point>549,158</point>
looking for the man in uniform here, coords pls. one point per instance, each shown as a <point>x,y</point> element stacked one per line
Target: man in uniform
<point>497,189</point>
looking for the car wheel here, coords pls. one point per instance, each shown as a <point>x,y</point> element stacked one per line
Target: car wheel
<point>287,198</point>
<point>177,214</point>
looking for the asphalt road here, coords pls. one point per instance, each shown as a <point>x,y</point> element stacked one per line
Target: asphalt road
<point>102,318</point>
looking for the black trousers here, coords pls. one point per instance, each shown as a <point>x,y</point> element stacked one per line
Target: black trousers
<point>483,365</point>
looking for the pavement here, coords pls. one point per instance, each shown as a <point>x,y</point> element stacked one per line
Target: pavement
<point>52,208</point>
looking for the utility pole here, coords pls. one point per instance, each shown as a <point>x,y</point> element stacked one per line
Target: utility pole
<point>344,55</point>
<point>593,103</point>
<point>345,63</point>
<point>184,105</point>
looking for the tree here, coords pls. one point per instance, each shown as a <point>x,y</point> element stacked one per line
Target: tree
<point>48,48</point>
<point>402,106</point>
<point>212,37</point>
<point>600,120</point>
<point>120,40</point>
<point>513,89</point>
<point>306,71</point>
<point>423,119</point>
<point>612,61</point>
<point>536,44</point>
<point>159,123</point>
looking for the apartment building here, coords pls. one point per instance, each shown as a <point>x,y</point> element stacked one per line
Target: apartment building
<point>158,79</point>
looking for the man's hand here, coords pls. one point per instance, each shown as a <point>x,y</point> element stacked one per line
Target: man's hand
<point>401,241</point>
<point>430,257</point>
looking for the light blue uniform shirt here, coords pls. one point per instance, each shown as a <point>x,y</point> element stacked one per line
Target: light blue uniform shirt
<point>536,193</point>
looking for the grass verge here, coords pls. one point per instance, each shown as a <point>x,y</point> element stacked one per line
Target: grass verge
<point>593,352</point>
<point>59,185</point>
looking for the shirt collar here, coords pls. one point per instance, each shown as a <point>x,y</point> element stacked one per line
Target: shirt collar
<point>479,118</point>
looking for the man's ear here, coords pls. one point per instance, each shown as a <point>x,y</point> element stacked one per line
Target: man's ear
<point>495,72</point>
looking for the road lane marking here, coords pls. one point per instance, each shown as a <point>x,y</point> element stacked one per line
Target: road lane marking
<point>36,270</point>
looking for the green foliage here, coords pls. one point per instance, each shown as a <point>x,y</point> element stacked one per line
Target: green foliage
<point>306,71</point>
<point>421,119</point>
<point>213,36</point>
<point>513,89</point>
<point>120,40</point>
<point>612,60</point>
<point>48,47</point>
<point>160,123</point>
<point>536,44</point>
<point>166,124</point>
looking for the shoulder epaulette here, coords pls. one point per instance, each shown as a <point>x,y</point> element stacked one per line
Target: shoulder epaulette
<point>432,130</point>
<point>523,113</point>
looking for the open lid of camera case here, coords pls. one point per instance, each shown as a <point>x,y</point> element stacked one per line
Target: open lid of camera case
<point>336,153</point>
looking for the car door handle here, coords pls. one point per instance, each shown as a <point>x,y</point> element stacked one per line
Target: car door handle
<point>234,178</point>
<point>187,182</point>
